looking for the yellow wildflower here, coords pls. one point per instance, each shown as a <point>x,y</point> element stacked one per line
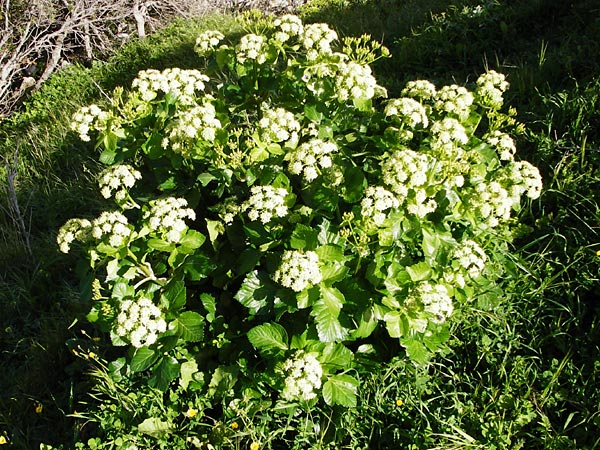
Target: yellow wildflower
<point>598,253</point>
<point>39,408</point>
<point>254,446</point>
<point>399,402</point>
<point>191,413</point>
<point>235,425</point>
<point>3,440</point>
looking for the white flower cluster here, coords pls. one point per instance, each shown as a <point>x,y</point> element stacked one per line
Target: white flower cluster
<point>72,230</point>
<point>405,169</point>
<point>420,89</point>
<point>266,202</point>
<point>355,81</point>
<point>454,99</point>
<point>289,25</point>
<point>492,203</point>
<point>447,136</point>
<point>116,180</point>
<point>317,40</point>
<point>228,209</point>
<point>140,322</point>
<point>180,82</point>
<point>409,111</point>
<point>421,204</point>
<point>278,125</point>
<point>207,41</point>
<point>111,225</point>
<point>527,179</point>
<point>436,301</point>
<point>88,118</point>
<point>199,122</point>
<point>377,200</point>
<point>470,257</point>
<point>298,270</point>
<point>504,144</point>
<point>166,217</point>
<point>252,47</point>
<point>306,158</point>
<point>490,87</point>
<point>303,377</point>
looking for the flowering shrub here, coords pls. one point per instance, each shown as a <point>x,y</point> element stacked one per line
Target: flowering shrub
<point>280,217</point>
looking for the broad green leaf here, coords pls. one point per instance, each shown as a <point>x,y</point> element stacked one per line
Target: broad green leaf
<point>367,322</point>
<point>154,427</point>
<point>215,228</point>
<point>165,373</point>
<point>416,350</point>
<point>340,390</point>
<point>198,266</point>
<point>192,239</point>
<point>332,297</point>
<point>122,289</point>
<point>161,245</point>
<point>107,157</point>
<point>174,295</point>
<point>396,324</point>
<point>311,113</point>
<point>336,355</point>
<point>326,235</point>
<point>326,315</point>
<point>143,358</point>
<point>256,292</point>
<point>419,272</point>
<point>354,184</point>
<point>222,381</point>
<point>187,371</point>
<point>303,238</point>
<point>268,337</point>
<point>205,178</point>
<point>190,326</point>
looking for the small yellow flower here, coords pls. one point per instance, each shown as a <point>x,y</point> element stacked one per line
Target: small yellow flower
<point>254,446</point>
<point>3,440</point>
<point>39,408</point>
<point>399,402</point>
<point>235,425</point>
<point>92,355</point>
<point>598,253</point>
<point>191,413</point>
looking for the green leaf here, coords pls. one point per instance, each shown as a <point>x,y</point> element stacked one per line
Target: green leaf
<point>419,272</point>
<point>165,373</point>
<point>311,113</point>
<point>143,358</point>
<point>215,228</point>
<point>190,326</point>
<point>121,289</point>
<point>354,184</point>
<point>256,292</point>
<point>363,104</point>
<point>210,304</point>
<point>174,295</point>
<point>268,337</point>
<point>205,178</point>
<point>192,239</point>
<point>336,355</point>
<point>187,371</point>
<point>161,245</point>
<point>416,350</point>
<point>304,238</point>
<point>326,312</point>
<point>396,324</point>
<point>154,427</point>
<point>222,381</point>
<point>198,266</point>
<point>340,390</point>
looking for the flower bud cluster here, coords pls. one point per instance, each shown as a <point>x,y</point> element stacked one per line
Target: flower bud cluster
<point>436,301</point>
<point>409,112</point>
<point>403,170</point>
<point>88,118</point>
<point>303,377</point>
<point>207,41</point>
<point>116,180</point>
<point>182,83</point>
<point>454,99</point>
<point>73,230</point>
<point>492,203</point>
<point>252,47</point>
<point>278,125</point>
<point>266,202</point>
<point>140,322</point>
<point>288,26</point>
<point>166,217</point>
<point>470,258</point>
<point>490,87</point>
<point>421,204</point>
<point>112,226</point>
<point>447,136</point>
<point>420,89</point>
<point>355,81</point>
<point>199,122</point>
<point>298,270</point>
<point>503,143</point>
<point>377,200</point>
<point>306,158</point>
<point>527,179</point>
<point>317,40</point>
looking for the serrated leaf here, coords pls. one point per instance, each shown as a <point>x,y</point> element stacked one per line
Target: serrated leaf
<point>255,292</point>
<point>303,237</point>
<point>154,427</point>
<point>165,373</point>
<point>326,312</point>
<point>190,326</point>
<point>268,337</point>
<point>396,324</point>
<point>174,295</point>
<point>142,359</point>
<point>337,355</point>
<point>340,390</point>
<point>192,239</point>
<point>161,245</point>
<point>419,272</point>
<point>222,381</point>
<point>416,350</point>
<point>210,304</point>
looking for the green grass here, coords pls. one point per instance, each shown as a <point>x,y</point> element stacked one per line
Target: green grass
<point>522,375</point>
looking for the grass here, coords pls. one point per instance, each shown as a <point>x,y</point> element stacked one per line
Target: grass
<point>522,375</point>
